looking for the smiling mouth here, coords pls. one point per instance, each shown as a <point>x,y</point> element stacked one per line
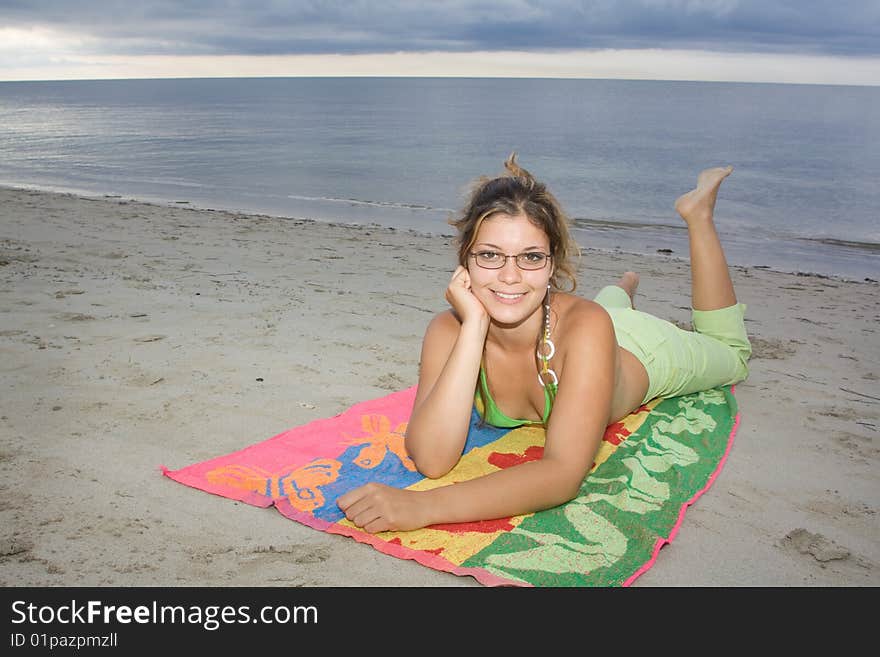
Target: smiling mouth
<point>508,296</point>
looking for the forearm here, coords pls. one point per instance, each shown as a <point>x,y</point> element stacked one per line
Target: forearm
<point>438,427</point>
<point>517,490</point>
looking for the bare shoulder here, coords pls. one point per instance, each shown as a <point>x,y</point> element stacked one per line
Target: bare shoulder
<point>442,331</point>
<point>579,317</point>
<point>445,322</point>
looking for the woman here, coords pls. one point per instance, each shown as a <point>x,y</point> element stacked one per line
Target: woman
<point>527,352</point>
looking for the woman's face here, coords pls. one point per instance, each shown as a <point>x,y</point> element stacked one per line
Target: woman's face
<point>510,294</point>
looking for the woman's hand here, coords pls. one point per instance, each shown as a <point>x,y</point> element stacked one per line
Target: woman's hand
<point>376,507</point>
<point>463,301</point>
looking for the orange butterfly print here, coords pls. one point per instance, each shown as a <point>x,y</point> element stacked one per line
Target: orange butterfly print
<point>380,440</point>
<point>301,486</point>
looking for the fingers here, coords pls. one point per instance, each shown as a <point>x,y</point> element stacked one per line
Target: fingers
<point>368,519</point>
<point>461,276</point>
<point>352,500</point>
<point>460,280</point>
<point>378,525</point>
<point>361,508</point>
<point>346,500</point>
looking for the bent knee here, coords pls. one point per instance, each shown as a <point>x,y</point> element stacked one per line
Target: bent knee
<point>744,353</point>
<point>742,372</point>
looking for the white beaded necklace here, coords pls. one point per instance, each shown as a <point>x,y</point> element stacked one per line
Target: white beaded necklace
<point>546,348</point>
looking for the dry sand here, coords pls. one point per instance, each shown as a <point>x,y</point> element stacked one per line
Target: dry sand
<point>136,335</point>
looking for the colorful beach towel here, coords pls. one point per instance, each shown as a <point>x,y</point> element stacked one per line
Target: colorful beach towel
<point>649,468</point>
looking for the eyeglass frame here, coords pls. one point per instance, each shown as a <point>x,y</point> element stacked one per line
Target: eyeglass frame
<point>547,258</point>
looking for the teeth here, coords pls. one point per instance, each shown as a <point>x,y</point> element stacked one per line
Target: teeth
<point>509,296</point>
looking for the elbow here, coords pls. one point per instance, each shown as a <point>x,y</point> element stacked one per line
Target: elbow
<point>570,491</point>
<point>567,484</point>
<point>565,491</point>
<point>433,473</point>
<point>431,465</point>
<point>432,468</point>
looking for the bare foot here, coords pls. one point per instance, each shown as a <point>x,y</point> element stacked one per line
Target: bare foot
<point>629,282</point>
<point>699,203</point>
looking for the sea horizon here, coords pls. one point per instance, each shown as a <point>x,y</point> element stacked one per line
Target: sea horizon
<point>431,77</point>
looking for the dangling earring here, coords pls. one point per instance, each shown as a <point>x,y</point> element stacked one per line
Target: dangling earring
<point>546,349</point>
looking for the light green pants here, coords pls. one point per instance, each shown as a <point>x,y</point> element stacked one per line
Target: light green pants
<point>680,362</point>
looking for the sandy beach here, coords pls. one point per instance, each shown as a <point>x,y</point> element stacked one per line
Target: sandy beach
<point>134,336</point>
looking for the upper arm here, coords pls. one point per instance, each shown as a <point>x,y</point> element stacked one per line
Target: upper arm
<point>437,345</point>
<point>582,407</point>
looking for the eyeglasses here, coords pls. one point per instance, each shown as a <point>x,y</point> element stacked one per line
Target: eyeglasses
<point>529,260</point>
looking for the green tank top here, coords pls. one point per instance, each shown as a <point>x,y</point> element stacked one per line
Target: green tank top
<point>496,418</point>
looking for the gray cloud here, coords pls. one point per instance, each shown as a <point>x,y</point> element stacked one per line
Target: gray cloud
<point>332,26</point>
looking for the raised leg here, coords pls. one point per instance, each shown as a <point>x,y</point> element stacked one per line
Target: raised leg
<point>711,286</point>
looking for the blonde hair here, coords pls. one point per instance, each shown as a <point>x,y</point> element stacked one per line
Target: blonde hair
<point>518,192</point>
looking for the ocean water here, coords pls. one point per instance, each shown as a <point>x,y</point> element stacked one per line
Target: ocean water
<point>804,196</point>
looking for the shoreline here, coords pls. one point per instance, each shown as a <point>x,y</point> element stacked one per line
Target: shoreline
<point>136,335</point>
<point>607,234</point>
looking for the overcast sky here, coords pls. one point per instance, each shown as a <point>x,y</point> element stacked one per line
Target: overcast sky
<point>760,40</point>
